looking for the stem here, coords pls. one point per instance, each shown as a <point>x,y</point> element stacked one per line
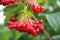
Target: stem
<point>21,1</point>
<point>45,32</point>
<point>47,35</point>
<point>33,2</point>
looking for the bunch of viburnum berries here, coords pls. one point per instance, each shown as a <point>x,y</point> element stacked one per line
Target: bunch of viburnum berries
<point>26,26</point>
<point>6,2</point>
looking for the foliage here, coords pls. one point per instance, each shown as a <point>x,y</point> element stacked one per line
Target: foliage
<point>51,21</point>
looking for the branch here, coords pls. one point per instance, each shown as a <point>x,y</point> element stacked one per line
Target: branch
<point>33,1</point>
<point>45,32</point>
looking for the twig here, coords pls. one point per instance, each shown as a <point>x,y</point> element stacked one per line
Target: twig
<point>45,32</point>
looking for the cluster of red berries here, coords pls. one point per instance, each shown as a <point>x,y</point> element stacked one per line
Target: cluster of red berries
<point>37,8</point>
<point>6,2</point>
<point>25,26</point>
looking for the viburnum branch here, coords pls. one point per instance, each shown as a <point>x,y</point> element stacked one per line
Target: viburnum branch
<point>13,19</point>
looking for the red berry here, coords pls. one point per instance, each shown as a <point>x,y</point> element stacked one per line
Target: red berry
<point>13,19</point>
<point>30,29</point>
<point>18,26</point>
<point>37,22</point>
<point>10,26</point>
<point>27,23</point>
<point>34,32</point>
<point>40,21</point>
<point>41,9</point>
<point>23,27</point>
<point>0,2</point>
<point>37,30</point>
<point>27,26</point>
<point>12,1</point>
<point>37,8</point>
<point>7,2</point>
<point>32,6</point>
<point>27,29</point>
<point>10,23</point>
<point>3,2</point>
<point>41,28</point>
<point>35,26</point>
<point>14,25</point>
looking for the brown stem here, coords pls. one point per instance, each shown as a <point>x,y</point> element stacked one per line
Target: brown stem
<point>47,35</point>
<point>33,2</point>
<point>45,32</point>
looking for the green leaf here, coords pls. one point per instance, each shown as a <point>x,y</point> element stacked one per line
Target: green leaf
<point>30,14</point>
<point>10,14</point>
<point>24,36</point>
<point>20,15</point>
<point>5,33</point>
<point>54,21</point>
<point>27,12</point>
<point>18,34</point>
<point>56,37</point>
<point>52,2</point>
<point>25,9</point>
<point>49,29</point>
<point>57,9</point>
<point>40,1</point>
<point>12,10</point>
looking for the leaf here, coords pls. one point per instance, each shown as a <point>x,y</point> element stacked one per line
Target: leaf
<point>30,14</point>
<point>25,9</point>
<point>23,37</point>
<point>57,9</point>
<point>40,1</point>
<point>12,10</point>
<point>8,16</point>
<point>52,2</point>
<point>56,37</point>
<point>54,21</point>
<point>49,29</point>
<point>20,15</point>
<point>27,12</point>
<point>18,34</point>
<point>5,33</point>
